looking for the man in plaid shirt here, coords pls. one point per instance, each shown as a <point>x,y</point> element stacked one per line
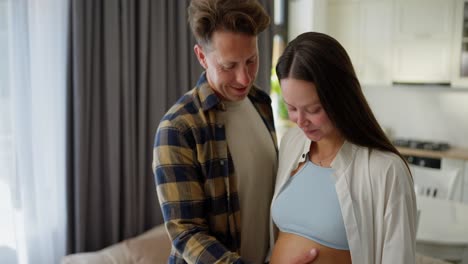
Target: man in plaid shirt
<point>215,153</point>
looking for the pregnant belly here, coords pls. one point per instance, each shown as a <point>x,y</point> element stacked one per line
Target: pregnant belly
<point>289,247</point>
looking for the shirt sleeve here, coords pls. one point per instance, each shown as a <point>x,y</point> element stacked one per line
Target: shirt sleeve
<point>400,218</point>
<point>181,195</point>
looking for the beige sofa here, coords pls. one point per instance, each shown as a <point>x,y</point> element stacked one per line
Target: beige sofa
<point>151,247</point>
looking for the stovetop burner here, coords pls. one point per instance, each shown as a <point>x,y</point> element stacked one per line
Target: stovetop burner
<point>420,144</point>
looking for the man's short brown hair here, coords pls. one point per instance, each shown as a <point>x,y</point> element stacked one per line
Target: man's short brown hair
<point>239,16</point>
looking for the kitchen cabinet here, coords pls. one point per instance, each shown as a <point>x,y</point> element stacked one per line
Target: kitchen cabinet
<point>306,15</point>
<point>364,28</point>
<point>422,44</point>
<point>349,33</point>
<point>460,46</point>
<point>376,56</point>
<point>402,41</point>
<point>395,41</point>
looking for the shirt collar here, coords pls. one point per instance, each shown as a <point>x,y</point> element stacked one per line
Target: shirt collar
<point>344,157</point>
<point>340,162</point>
<point>208,97</point>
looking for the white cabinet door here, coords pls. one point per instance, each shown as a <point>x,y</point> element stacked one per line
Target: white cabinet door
<point>344,24</point>
<point>364,28</point>
<point>422,61</point>
<point>306,15</point>
<point>376,35</point>
<point>423,35</point>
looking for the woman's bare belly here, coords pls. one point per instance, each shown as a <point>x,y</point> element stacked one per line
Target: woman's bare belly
<point>290,246</point>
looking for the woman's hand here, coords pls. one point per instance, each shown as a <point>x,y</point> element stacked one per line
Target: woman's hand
<point>306,258</point>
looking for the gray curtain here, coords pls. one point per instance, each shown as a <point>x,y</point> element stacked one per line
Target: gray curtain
<point>265,46</point>
<point>129,61</point>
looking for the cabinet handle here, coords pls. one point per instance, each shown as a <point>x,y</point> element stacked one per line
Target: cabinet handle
<point>423,35</point>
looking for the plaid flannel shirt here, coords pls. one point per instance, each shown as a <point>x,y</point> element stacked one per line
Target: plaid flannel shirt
<point>195,177</point>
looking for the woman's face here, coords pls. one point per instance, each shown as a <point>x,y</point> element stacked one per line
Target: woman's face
<point>305,109</point>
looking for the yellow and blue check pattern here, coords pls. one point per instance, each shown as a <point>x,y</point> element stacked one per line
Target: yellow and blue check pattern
<point>194,175</point>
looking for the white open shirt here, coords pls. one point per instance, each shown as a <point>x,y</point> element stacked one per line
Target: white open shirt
<point>376,195</point>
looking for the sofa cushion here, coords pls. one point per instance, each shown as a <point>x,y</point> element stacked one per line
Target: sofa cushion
<point>110,255</point>
<point>148,250</point>
<point>152,247</point>
<point>421,259</point>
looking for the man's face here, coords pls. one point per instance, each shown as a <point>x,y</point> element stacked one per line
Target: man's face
<point>231,63</point>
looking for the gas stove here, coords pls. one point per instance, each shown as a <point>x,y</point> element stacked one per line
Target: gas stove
<point>421,144</point>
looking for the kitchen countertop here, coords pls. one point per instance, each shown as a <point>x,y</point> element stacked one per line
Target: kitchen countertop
<point>452,153</point>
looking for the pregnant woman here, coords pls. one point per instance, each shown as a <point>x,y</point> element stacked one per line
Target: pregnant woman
<point>342,187</point>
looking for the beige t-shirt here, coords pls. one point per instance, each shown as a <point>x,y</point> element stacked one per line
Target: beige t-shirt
<point>255,164</point>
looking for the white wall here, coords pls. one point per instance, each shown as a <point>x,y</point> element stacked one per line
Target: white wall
<point>422,112</point>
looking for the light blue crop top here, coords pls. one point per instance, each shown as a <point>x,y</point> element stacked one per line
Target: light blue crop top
<point>307,205</point>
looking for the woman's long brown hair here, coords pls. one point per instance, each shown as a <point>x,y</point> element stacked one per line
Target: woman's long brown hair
<point>320,59</point>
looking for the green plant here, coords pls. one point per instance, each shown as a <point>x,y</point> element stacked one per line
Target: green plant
<point>275,88</point>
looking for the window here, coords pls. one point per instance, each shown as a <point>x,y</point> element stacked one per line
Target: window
<point>7,168</point>
<point>3,51</point>
<point>280,112</point>
<point>32,163</point>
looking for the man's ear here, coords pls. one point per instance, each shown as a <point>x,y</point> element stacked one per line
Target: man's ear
<point>201,56</point>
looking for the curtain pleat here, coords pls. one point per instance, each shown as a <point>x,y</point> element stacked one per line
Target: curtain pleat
<point>265,47</point>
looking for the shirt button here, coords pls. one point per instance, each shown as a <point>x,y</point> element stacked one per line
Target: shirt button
<point>221,162</point>
<point>303,155</point>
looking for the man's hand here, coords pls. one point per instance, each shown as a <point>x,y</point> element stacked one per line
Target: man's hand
<point>306,258</point>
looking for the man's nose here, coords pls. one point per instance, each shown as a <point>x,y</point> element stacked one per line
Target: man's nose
<point>243,76</point>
